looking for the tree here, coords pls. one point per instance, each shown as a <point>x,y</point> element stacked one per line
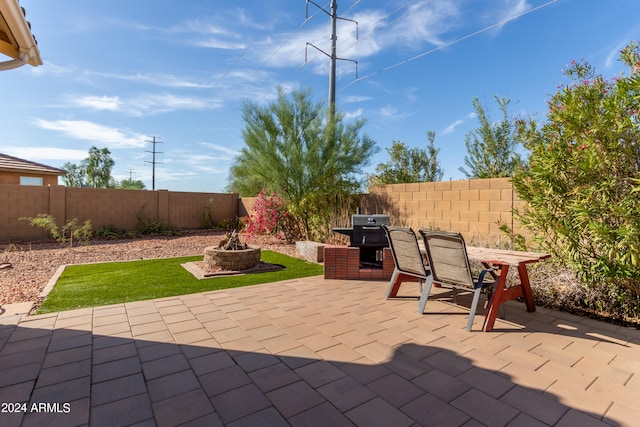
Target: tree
<point>75,176</point>
<point>94,171</point>
<point>131,184</point>
<point>582,179</point>
<point>293,148</point>
<point>491,147</point>
<point>98,168</point>
<point>407,165</point>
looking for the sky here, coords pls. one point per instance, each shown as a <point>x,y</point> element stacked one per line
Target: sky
<point>118,73</point>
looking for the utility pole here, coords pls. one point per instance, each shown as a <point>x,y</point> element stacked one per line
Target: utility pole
<point>130,175</point>
<point>153,161</point>
<point>333,57</point>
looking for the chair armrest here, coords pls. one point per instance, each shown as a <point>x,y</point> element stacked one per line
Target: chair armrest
<point>479,283</point>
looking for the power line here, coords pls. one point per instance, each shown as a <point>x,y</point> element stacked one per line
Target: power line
<point>451,43</point>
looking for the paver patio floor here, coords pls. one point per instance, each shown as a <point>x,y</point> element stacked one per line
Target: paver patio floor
<point>314,352</point>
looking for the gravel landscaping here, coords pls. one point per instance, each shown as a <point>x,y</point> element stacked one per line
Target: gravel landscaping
<point>33,264</point>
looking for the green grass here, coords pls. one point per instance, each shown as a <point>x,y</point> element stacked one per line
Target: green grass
<point>94,285</point>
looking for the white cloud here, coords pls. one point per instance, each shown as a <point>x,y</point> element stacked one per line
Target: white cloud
<point>165,175</point>
<point>230,152</point>
<point>452,127</point>
<point>45,153</point>
<point>216,43</point>
<point>425,21</point>
<point>49,68</point>
<point>94,132</point>
<point>197,163</point>
<point>356,98</point>
<point>109,103</point>
<point>513,8</point>
<point>164,103</point>
<point>354,114</point>
<point>201,27</point>
<point>156,80</point>
<point>391,112</point>
<point>504,12</point>
<point>145,104</point>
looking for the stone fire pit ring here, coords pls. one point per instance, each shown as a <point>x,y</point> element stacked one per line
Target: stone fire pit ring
<point>228,259</point>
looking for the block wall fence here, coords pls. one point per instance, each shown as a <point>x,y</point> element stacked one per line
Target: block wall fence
<point>107,208</point>
<point>475,208</point>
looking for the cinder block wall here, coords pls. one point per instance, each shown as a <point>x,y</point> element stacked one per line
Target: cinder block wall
<point>120,209</point>
<point>17,201</point>
<point>475,208</point>
<point>188,208</point>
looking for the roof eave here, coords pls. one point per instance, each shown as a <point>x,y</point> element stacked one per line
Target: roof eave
<point>19,28</point>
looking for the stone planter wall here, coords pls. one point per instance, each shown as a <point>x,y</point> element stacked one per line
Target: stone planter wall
<point>215,257</point>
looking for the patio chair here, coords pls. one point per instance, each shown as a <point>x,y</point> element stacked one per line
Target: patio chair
<point>449,263</point>
<point>407,257</point>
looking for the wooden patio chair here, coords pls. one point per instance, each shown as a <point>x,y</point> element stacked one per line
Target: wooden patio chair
<point>407,257</point>
<point>449,263</point>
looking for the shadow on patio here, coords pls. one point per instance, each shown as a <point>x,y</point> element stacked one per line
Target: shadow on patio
<point>313,352</point>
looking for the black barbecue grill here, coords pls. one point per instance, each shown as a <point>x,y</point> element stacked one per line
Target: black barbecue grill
<point>366,233</point>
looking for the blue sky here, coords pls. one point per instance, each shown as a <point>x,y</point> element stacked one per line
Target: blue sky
<point>117,73</point>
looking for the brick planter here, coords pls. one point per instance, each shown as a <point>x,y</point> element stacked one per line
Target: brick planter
<point>245,259</point>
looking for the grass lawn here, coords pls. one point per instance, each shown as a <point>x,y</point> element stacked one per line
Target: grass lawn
<point>117,282</point>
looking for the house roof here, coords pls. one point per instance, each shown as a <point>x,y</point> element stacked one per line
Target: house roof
<point>14,164</point>
<point>16,40</point>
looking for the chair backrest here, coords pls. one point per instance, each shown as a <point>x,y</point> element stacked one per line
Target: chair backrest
<point>405,250</point>
<point>448,259</point>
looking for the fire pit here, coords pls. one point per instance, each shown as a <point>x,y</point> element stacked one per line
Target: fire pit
<point>231,254</point>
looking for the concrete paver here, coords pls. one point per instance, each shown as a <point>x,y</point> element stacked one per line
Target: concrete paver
<point>313,352</point>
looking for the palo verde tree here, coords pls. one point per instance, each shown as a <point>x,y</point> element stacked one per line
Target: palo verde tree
<point>294,148</point>
<point>582,180</point>
<point>408,165</point>
<point>491,148</point>
<point>94,171</point>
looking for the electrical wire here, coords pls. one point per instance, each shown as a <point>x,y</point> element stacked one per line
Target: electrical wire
<point>448,44</point>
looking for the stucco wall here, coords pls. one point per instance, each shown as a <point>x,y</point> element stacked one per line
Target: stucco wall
<point>121,209</point>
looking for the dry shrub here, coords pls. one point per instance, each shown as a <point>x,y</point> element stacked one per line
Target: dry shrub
<point>557,287</point>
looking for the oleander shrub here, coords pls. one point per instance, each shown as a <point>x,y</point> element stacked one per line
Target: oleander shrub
<point>581,183</point>
<point>270,216</point>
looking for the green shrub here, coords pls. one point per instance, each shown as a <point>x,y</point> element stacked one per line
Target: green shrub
<point>583,173</point>
<point>148,226</point>
<point>67,233</point>
<point>108,232</point>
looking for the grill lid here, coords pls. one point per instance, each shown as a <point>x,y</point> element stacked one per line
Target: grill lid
<point>358,220</point>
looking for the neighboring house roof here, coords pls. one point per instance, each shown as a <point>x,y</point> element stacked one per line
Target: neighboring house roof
<point>14,164</point>
<point>16,40</point>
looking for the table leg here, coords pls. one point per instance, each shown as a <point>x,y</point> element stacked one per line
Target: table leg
<point>496,298</point>
<point>400,278</point>
<point>527,293</point>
